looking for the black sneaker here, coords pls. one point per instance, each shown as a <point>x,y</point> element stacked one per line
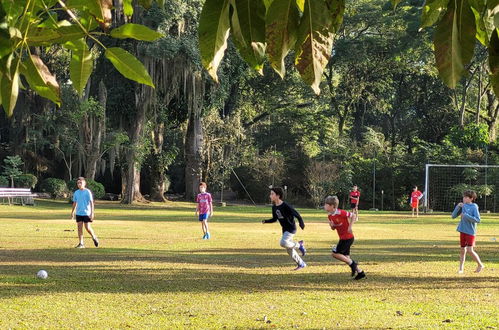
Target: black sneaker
<point>360,275</point>
<point>96,241</point>
<point>353,266</point>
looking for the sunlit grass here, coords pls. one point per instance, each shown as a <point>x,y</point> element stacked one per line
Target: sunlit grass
<point>154,271</point>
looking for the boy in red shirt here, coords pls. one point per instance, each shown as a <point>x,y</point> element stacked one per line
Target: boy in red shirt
<point>354,201</point>
<point>415,197</point>
<point>342,221</point>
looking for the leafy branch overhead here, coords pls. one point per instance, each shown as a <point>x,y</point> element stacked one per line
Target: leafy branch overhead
<point>26,24</point>
<point>270,29</point>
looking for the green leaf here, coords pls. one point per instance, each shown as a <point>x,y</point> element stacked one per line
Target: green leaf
<point>493,50</point>
<point>267,3</point>
<point>281,28</point>
<point>214,26</point>
<point>135,31</point>
<point>9,85</point>
<point>128,65</point>
<point>315,41</point>
<point>301,5</point>
<point>454,41</point>
<point>101,9</point>
<point>128,8</point>
<point>248,30</point>
<point>478,8</point>
<point>493,11</point>
<point>40,79</point>
<point>395,3</point>
<point>81,65</point>
<point>432,11</point>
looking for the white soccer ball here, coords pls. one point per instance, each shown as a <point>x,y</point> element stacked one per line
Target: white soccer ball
<point>42,274</point>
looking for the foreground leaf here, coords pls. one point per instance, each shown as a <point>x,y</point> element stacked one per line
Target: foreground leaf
<point>454,42</point>
<point>432,11</point>
<point>40,79</point>
<point>248,30</point>
<point>214,26</point>
<point>493,50</point>
<point>281,28</point>
<point>81,65</point>
<point>315,41</point>
<point>135,31</point>
<point>128,65</point>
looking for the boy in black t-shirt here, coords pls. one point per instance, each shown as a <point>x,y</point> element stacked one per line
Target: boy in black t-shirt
<point>285,213</point>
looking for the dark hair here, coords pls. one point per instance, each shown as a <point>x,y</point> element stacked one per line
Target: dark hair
<point>470,193</point>
<point>203,184</point>
<point>278,191</point>
<point>81,179</point>
<point>414,187</point>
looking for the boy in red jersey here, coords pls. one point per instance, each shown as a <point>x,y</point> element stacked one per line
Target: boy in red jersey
<point>416,195</point>
<point>342,221</point>
<point>354,201</point>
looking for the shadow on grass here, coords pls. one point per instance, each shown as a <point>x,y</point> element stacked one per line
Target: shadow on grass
<point>18,281</point>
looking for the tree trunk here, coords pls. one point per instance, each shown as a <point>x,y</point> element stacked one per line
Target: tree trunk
<point>157,165</point>
<point>193,147</point>
<point>94,130</point>
<point>132,180</point>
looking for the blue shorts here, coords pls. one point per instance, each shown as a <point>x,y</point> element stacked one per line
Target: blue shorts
<point>203,217</point>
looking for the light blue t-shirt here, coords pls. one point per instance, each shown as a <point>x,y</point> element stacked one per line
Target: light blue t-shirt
<point>471,216</point>
<point>83,199</point>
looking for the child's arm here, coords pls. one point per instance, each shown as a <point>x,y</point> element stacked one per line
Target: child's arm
<point>332,225</point>
<point>297,216</point>
<point>274,218</point>
<point>351,220</point>
<point>474,217</point>
<point>457,210</point>
<point>92,207</point>
<point>73,211</point>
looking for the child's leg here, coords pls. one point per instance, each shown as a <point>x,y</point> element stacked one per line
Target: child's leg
<point>205,222</point>
<point>80,231</point>
<point>291,246</point>
<point>462,258</point>
<point>203,227</point>
<point>475,257</point>
<point>89,229</point>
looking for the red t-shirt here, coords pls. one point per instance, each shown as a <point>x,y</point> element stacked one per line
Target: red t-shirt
<point>415,196</point>
<point>340,219</point>
<point>355,194</point>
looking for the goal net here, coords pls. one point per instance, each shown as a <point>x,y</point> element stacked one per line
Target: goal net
<point>445,184</point>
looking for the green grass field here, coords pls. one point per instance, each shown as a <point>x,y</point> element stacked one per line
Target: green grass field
<point>154,271</point>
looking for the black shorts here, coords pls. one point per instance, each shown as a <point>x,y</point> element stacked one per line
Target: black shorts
<point>343,246</point>
<point>353,205</point>
<point>83,218</point>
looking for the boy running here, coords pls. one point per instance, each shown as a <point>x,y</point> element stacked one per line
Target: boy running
<point>354,201</point>
<point>342,221</point>
<point>470,216</point>
<point>204,208</point>
<point>415,197</point>
<point>285,213</point>
<point>83,208</point>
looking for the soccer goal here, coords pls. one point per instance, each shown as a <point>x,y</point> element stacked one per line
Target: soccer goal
<point>444,185</point>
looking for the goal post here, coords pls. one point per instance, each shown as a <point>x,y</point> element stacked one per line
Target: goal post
<point>445,183</point>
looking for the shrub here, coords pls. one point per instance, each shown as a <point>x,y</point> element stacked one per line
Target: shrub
<point>55,187</point>
<point>25,181</point>
<point>95,187</point>
<point>4,182</point>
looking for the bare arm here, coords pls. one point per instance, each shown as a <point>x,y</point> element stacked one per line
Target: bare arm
<point>73,210</point>
<point>92,207</point>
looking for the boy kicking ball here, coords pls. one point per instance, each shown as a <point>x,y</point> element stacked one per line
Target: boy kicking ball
<point>342,221</point>
<point>470,216</point>
<point>285,213</point>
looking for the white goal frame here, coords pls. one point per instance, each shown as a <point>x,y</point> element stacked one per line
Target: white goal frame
<point>427,177</point>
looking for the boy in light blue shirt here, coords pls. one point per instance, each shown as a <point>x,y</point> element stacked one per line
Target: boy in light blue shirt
<point>83,208</point>
<point>470,216</point>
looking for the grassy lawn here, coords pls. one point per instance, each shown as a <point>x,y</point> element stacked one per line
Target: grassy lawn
<point>154,271</point>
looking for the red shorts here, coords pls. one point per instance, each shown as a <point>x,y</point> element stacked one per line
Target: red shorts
<point>414,204</point>
<point>467,240</point>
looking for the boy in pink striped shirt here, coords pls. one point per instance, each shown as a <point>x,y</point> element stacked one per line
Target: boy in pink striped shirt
<point>204,208</point>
